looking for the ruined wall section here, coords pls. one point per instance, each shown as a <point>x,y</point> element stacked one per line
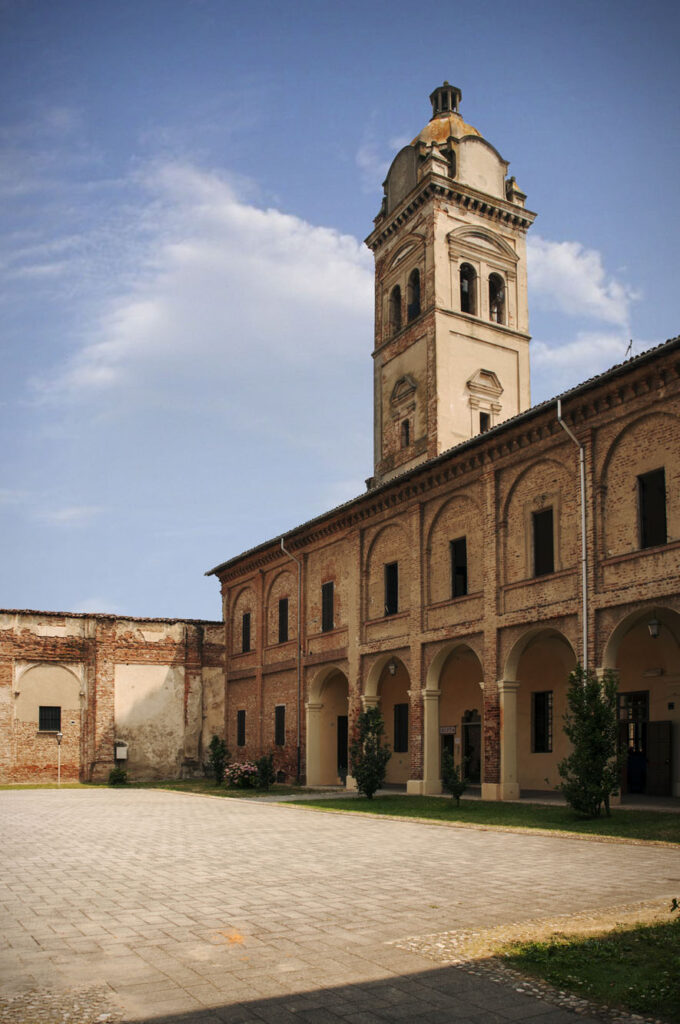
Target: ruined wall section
<point>156,685</point>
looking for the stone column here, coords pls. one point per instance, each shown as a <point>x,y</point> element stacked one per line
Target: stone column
<point>509,784</point>
<point>432,781</point>
<point>313,735</point>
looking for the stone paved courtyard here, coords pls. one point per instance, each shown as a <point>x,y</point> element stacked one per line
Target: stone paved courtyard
<point>148,905</point>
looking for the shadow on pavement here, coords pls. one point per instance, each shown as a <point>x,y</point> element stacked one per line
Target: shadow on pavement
<point>445,995</point>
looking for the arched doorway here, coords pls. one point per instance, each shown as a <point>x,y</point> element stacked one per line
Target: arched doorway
<point>460,711</point>
<point>644,649</point>
<point>392,691</point>
<point>327,729</point>
<point>532,733</point>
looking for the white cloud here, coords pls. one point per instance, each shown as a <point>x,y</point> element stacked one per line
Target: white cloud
<point>570,278</point>
<point>558,366</point>
<point>218,287</point>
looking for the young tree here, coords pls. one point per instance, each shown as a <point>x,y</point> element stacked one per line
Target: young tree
<point>218,755</point>
<point>453,777</point>
<point>368,755</point>
<point>591,771</point>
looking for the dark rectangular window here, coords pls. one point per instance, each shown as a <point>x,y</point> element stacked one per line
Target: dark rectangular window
<point>49,719</point>
<point>484,422</point>
<point>240,728</point>
<point>283,620</point>
<point>327,610</point>
<point>391,588</point>
<point>280,725</point>
<point>400,728</point>
<point>652,503</point>
<point>541,722</point>
<point>245,633</point>
<point>458,567</point>
<point>544,556</point>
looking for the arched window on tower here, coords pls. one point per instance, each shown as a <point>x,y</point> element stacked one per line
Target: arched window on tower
<point>413,296</point>
<point>405,433</point>
<point>395,309</point>
<point>496,299</point>
<point>468,289</point>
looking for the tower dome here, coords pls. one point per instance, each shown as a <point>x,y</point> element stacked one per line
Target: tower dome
<point>447,146</point>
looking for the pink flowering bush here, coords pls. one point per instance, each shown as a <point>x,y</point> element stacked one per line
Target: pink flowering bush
<point>241,775</point>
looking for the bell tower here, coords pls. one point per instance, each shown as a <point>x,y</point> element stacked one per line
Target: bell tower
<point>451,354</point>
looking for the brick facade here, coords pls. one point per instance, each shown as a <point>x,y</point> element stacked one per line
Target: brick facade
<point>511,624</point>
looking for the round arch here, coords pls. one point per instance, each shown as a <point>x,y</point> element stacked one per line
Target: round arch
<point>664,616</point>
<point>524,642</point>
<point>327,732</point>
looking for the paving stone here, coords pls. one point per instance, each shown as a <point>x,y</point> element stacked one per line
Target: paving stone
<point>166,903</point>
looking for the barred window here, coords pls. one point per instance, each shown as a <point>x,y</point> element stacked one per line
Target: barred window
<point>49,719</point>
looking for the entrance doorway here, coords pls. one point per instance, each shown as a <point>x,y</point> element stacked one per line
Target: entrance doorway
<point>472,745</point>
<point>648,765</point>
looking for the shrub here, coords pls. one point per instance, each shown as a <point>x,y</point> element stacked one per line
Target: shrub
<point>241,775</point>
<point>591,771</point>
<point>218,755</point>
<point>368,754</point>
<point>118,777</point>
<point>266,775</point>
<point>453,779</point>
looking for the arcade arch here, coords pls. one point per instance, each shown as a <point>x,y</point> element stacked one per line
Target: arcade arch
<point>536,680</point>
<point>328,728</point>
<point>648,670</point>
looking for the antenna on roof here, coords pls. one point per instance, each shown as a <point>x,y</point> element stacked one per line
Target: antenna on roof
<point>629,349</point>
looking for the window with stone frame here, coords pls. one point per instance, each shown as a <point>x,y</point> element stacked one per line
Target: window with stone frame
<point>468,289</point>
<point>496,299</point>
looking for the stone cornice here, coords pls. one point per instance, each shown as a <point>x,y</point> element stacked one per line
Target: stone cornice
<point>436,186</point>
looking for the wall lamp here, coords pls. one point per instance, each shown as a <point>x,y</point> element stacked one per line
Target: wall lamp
<point>392,667</point>
<point>654,626</point>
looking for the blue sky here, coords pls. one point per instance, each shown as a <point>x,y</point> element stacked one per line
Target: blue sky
<point>185,300</point>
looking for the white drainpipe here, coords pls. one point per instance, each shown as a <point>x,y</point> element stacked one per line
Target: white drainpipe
<point>584,548</point>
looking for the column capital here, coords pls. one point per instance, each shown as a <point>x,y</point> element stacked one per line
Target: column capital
<point>508,686</point>
<point>600,673</point>
<point>431,694</point>
<point>314,705</point>
<point>370,700</point>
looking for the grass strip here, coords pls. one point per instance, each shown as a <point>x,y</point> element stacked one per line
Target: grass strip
<point>659,826</point>
<point>636,969</point>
